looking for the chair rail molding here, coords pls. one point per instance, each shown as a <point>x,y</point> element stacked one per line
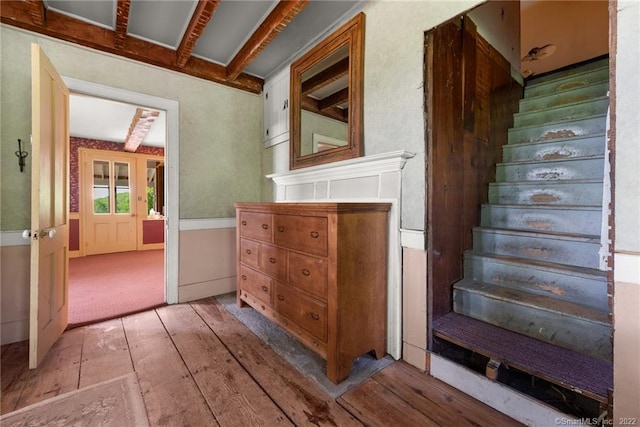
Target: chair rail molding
<point>375,178</point>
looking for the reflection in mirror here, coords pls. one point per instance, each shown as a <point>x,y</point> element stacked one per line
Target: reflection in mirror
<point>326,99</point>
<point>325,104</point>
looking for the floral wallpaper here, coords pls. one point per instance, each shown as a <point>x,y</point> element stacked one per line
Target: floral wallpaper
<point>74,170</point>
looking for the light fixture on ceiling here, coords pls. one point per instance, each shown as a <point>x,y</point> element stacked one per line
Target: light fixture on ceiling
<point>537,53</point>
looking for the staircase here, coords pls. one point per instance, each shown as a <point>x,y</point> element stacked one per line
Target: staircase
<point>534,266</point>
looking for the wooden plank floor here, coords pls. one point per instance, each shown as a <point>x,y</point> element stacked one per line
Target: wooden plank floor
<point>198,365</point>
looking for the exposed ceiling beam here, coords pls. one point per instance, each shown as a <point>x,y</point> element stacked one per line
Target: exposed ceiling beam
<point>122,21</point>
<point>323,78</point>
<point>313,105</point>
<point>140,125</point>
<point>37,11</point>
<point>201,16</point>
<point>17,13</point>
<point>335,99</point>
<point>279,17</point>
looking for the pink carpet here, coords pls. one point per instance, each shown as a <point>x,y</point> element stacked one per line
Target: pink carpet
<point>103,287</point>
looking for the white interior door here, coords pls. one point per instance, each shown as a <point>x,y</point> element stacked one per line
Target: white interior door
<point>109,202</point>
<point>49,207</point>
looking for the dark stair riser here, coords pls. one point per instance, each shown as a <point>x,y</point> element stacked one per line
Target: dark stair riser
<point>554,150</point>
<point>558,99</point>
<point>565,129</point>
<point>579,334</point>
<point>589,289</point>
<point>561,113</point>
<point>566,169</point>
<point>576,251</point>
<point>562,219</point>
<point>563,83</point>
<point>576,193</point>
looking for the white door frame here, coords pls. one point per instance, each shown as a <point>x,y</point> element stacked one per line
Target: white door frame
<point>171,168</point>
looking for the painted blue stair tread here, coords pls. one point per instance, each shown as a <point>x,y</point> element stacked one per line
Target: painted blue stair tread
<point>567,368</point>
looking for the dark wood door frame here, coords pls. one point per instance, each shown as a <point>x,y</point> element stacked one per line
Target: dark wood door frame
<point>470,99</point>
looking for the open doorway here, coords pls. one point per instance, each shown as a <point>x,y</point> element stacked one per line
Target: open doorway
<point>117,206</point>
<point>517,151</point>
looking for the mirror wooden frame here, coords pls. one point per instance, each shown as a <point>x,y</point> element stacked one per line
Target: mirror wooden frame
<point>352,35</point>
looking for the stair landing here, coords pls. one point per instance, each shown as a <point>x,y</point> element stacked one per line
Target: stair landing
<point>587,375</point>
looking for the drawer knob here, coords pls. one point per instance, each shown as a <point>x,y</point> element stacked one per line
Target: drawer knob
<point>262,306</point>
<point>265,226</point>
<point>280,229</point>
<point>305,272</point>
<point>280,297</point>
<point>248,251</point>
<point>314,316</point>
<point>244,222</point>
<point>264,288</point>
<point>315,234</point>
<point>272,260</point>
<point>244,277</point>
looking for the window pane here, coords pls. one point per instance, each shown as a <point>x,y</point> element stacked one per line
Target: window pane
<point>101,187</point>
<point>121,172</point>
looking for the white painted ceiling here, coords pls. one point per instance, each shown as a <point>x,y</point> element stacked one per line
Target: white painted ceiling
<point>106,120</point>
<point>579,29</point>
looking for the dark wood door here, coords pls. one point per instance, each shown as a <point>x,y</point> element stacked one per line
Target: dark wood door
<point>470,99</point>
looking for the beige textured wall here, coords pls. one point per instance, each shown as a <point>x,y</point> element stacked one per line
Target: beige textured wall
<point>393,91</point>
<point>393,88</point>
<point>626,338</point>
<point>220,131</point>
<point>220,127</point>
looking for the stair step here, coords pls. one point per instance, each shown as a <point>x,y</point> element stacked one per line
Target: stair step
<point>578,192</point>
<point>576,110</point>
<point>555,149</point>
<point>557,219</point>
<point>578,285</point>
<point>587,126</point>
<point>566,249</point>
<point>557,322</point>
<point>585,67</point>
<point>561,83</point>
<point>551,170</point>
<point>583,93</point>
<point>589,376</point>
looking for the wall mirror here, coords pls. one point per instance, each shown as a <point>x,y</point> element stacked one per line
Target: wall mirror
<point>326,99</point>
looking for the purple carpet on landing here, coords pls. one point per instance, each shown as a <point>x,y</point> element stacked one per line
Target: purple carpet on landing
<point>564,367</point>
<point>107,286</point>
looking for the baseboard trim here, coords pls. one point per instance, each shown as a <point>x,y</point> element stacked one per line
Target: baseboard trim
<point>500,397</point>
<point>206,289</point>
<point>14,331</point>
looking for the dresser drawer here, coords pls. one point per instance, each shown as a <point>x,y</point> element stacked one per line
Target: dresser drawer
<point>273,261</point>
<point>303,233</point>
<point>308,273</point>
<point>305,312</point>
<point>249,252</point>
<point>255,283</point>
<point>256,225</point>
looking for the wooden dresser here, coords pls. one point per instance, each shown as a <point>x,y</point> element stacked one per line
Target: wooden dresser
<point>320,271</point>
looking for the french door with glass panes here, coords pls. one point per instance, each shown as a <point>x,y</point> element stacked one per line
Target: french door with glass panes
<point>108,214</point>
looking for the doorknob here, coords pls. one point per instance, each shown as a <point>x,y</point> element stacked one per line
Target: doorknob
<point>26,234</point>
<point>50,234</point>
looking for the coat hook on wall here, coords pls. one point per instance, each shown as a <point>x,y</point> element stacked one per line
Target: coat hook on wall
<point>21,155</point>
